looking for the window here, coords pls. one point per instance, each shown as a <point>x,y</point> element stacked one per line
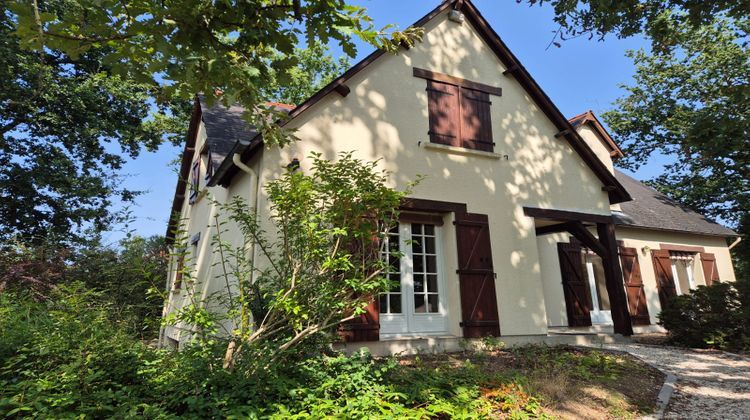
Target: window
<point>195,181</point>
<point>207,163</point>
<point>390,303</point>
<point>415,304</point>
<point>593,270</point>
<point>424,259</point>
<point>683,264</point>
<point>459,111</point>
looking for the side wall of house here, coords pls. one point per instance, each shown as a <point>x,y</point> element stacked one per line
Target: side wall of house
<point>386,117</point>
<point>631,238</point>
<point>203,279</point>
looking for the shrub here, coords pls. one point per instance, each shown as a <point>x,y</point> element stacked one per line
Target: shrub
<point>709,317</point>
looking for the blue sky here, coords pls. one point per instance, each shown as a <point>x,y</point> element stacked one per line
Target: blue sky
<point>584,74</point>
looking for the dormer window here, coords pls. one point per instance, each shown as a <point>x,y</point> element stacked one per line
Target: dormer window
<point>195,181</point>
<point>459,111</point>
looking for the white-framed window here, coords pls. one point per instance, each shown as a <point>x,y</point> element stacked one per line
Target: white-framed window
<point>417,304</point>
<point>601,310</point>
<point>683,267</point>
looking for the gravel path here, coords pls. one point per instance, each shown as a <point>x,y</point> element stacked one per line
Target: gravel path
<point>710,385</point>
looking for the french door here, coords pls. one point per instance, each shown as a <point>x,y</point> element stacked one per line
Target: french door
<point>416,304</point>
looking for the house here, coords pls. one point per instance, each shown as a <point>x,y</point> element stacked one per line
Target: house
<point>528,229</point>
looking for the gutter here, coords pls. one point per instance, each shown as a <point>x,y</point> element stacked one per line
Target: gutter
<point>227,164</point>
<point>735,243</point>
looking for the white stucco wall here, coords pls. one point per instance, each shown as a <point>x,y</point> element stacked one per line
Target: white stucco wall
<point>385,117</point>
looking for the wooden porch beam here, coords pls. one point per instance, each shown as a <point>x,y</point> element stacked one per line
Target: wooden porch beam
<point>578,230</point>
<point>613,278</point>
<point>565,216</point>
<point>560,227</point>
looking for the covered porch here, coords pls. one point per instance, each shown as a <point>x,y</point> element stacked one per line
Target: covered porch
<point>589,267</point>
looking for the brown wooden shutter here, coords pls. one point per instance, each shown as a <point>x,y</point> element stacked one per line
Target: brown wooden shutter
<point>443,107</point>
<point>710,272</point>
<point>575,285</point>
<point>664,278</point>
<point>476,277</point>
<point>366,327</point>
<point>476,120</point>
<point>631,273</point>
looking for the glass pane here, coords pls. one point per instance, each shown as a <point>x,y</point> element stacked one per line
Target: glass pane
<point>395,303</point>
<point>419,306</point>
<point>395,282</point>
<point>681,267</point>
<point>416,228</point>
<point>384,304</point>
<point>432,303</point>
<point>416,245</point>
<point>418,283</point>
<point>431,264</point>
<point>429,244</point>
<point>418,264</point>
<point>432,283</point>
<point>429,229</point>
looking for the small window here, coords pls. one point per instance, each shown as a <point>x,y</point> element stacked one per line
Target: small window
<point>208,163</point>
<point>459,116</point>
<point>195,181</point>
<point>459,110</point>
<point>683,267</point>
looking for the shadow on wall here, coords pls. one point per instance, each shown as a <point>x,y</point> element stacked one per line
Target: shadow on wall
<point>386,117</point>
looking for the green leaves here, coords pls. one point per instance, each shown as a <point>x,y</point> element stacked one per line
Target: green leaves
<point>653,18</point>
<point>691,102</point>
<point>196,46</point>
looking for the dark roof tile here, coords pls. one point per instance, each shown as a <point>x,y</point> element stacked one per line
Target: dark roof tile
<point>654,210</point>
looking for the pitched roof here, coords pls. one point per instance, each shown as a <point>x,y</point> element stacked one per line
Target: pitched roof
<point>515,69</point>
<point>225,126</point>
<point>653,210</point>
<point>589,118</point>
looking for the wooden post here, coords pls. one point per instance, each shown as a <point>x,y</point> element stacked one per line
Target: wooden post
<point>613,277</point>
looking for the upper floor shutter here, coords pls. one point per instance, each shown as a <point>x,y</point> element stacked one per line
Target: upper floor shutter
<point>443,106</point>
<point>476,120</point>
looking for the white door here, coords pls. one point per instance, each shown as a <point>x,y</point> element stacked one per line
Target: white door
<point>600,306</point>
<point>416,306</point>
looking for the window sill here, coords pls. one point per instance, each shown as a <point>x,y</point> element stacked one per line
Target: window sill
<point>459,150</point>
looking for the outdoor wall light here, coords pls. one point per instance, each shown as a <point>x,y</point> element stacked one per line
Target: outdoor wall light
<point>645,250</point>
<point>293,165</point>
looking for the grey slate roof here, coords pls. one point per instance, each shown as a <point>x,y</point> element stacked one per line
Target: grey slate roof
<point>652,209</point>
<point>225,126</point>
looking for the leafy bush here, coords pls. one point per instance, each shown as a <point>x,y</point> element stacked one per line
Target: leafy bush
<point>717,317</point>
<point>67,357</point>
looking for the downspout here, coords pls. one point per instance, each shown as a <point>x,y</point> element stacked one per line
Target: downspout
<point>254,181</point>
<point>736,241</point>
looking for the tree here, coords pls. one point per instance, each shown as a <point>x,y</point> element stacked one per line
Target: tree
<point>321,263</point>
<point>62,121</point>
<point>653,18</point>
<point>131,278</point>
<point>691,101</point>
<point>226,50</point>
<point>315,69</point>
